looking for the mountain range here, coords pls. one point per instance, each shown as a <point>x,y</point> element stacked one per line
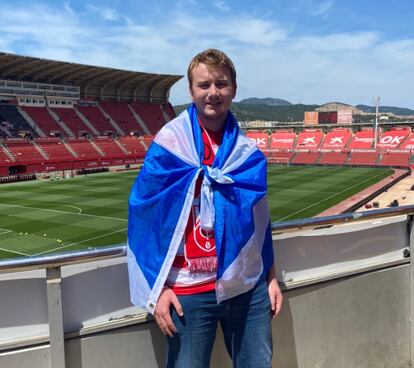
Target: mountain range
<point>276,109</point>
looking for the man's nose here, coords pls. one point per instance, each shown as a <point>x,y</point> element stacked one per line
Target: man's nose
<point>213,91</point>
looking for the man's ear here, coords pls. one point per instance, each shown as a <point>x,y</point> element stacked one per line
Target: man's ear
<point>234,89</point>
<point>190,91</point>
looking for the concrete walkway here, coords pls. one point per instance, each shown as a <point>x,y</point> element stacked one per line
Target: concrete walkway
<point>400,191</point>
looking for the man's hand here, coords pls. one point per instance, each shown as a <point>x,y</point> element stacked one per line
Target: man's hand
<point>275,294</point>
<point>162,313</point>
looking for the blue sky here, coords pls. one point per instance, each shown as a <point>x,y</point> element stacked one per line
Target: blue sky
<point>305,51</point>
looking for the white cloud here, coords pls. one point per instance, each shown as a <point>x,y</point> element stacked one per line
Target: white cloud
<point>41,26</point>
<point>105,12</point>
<point>321,7</point>
<point>221,5</point>
<point>68,8</point>
<point>337,42</point>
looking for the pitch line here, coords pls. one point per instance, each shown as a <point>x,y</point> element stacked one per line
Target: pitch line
<point>79,242</point>
<point>323,200</point>
<point>301,191</point>
<point>15,252</point>
<point>59,211</point>
<point>4,231</point>
<point>75,207</point>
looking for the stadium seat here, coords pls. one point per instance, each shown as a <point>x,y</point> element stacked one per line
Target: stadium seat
<point>151,114</point>
<point>44,121</point>
<point>95,117</point>
<point>109,147</point>
<point>24,150</point>
<point>72,121</point>
<point>395,159</point>
<point>119,111</point>
<point>305,158</point>
<point>83,148</point>
<point>362,140</point>
<point>309,139</point>
<point>333,158</point>
<point>15,123</point>
<point>54,148</point>
<point>363,158</point>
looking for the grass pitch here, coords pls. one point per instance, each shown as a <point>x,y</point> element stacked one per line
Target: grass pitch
<point>298,192</point>
<point>89,211</point>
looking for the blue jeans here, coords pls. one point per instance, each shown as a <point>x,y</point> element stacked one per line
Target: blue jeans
<point>245,321</point>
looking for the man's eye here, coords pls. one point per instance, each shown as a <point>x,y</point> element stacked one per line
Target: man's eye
<point>204,86</point>
<point>222,84</point>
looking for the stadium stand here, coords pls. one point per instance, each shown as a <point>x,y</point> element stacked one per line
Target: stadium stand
<point>72,121</point>
<point>5,155</point>
<point>24,150</point>
<point>121,114</point>
<point>408,144</point>
<point>109,147</point>
<point>146,141</point>
<point>82,123</point>
<point>4,133</point>
<point>362,140</point>
<point>279,157</point>
<point>395,159</point>
<point>306,158</point>
<point>333,158</point>
<point>151,114</point>
<point>363,158</point>
<point>95,117</point>
<point>282,140</point>
<point>44,121</point>
<point>261,139</point>
<point>336,139</point>
<point>393,138</point>
<point>15,123</point>
<point>169,110</point>
<point>133,145</point>
<point>54,148</point>
<point>309,139</point>
<point>83,148</point>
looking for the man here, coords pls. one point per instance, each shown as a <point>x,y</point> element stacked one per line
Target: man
<point>200,248</point>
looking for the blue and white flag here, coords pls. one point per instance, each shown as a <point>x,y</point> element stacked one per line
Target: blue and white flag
<point>233,202</point>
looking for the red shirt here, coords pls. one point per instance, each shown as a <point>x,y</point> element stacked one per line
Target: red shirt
<point>181,280</point>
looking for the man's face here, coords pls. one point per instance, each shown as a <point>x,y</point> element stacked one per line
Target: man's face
<point>212,92</point>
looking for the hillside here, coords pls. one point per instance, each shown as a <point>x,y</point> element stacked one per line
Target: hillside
<point>249,112</point>
<point>265,101</point>
<point>393,109</point>
<point>275,109</point>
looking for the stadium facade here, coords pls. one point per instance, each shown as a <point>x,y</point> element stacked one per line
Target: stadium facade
<point>64,116</point>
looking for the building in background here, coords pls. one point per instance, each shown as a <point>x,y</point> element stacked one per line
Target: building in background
<point>333,113</point>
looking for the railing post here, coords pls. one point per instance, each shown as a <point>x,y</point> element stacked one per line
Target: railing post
<point>55,316</point>
<point>411,283</point>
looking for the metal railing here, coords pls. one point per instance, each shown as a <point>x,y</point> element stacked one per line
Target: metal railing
<point>53,263</point>
<point>100,253</point>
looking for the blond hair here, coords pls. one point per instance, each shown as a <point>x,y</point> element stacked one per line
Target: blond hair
<point>213,59</point>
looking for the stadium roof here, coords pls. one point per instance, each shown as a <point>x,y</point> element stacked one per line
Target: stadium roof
<point>94,81</point>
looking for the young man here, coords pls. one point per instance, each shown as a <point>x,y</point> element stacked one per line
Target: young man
<point>200,248</point>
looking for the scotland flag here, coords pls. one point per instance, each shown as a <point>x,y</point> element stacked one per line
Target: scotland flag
<point>233,203</point>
